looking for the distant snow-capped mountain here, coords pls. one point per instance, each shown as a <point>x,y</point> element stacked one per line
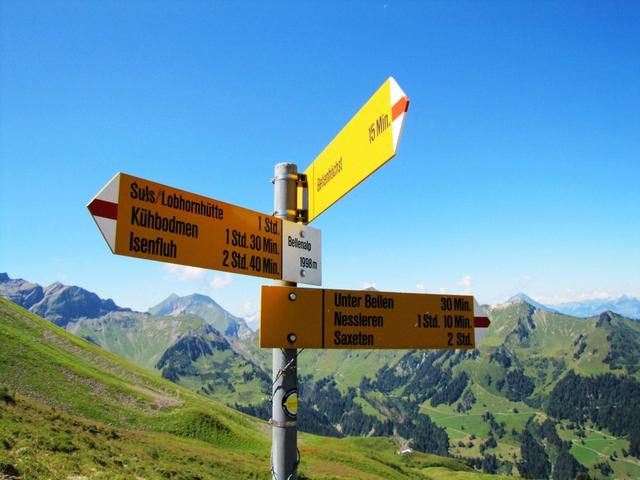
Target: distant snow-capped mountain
<point>626,306</point>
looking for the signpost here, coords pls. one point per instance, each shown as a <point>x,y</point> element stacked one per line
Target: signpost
<point>144,219</point>
<point>362,319</point>
<point>367,142</point>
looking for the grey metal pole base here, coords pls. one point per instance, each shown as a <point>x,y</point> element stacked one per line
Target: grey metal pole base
<point>284,428</point>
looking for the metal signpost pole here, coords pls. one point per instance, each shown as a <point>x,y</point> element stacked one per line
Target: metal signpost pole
<point>284,390</point>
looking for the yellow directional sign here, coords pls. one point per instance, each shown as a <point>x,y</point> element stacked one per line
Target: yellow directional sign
<point>319,318</point>
<point>144,219</point>
<point>368,141</point>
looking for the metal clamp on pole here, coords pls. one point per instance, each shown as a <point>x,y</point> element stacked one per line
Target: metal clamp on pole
<point>286,214</point>
<point>283,424</point>
<point>302,215</point>
<point>302,180</point>
<point>286,176</point>
<point>284,393</point>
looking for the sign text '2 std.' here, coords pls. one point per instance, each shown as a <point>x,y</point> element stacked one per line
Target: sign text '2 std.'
<point>144,219</point>
<point>321,318</point>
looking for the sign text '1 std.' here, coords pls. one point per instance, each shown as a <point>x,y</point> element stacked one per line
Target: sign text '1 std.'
<point>321,318</point>
<point>367,142</point>
<point>144,219</point>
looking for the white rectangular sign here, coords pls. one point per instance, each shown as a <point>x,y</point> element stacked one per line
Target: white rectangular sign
<point>301,259</point>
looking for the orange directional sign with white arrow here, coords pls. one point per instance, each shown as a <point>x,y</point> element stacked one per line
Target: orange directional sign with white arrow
<point>144,219</point>
<point>367,142</point>
<point>368,319</point>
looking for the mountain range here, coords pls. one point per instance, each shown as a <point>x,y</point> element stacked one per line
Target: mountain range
<point>59,303</point>
<point>497,407</point>
<point>624,305</point>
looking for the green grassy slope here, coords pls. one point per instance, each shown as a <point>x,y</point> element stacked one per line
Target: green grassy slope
<point>69,409</point>
<point>206,363</point>
<point>348,367</point>
<point>139,337</point>
<point>545,345</point>
<point>548,344</point>
<point>598,446</point>
<point>147,340</point>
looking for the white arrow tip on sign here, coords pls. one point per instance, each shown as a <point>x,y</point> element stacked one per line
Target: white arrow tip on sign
<point>396,92</point>
<point>480,316</point>
<point>104,210</point>
<point>108,229</point>
<point>110,191</point>
<point>399,107</point>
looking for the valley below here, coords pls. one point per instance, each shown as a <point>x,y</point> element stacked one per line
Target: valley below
<point>92,390</point>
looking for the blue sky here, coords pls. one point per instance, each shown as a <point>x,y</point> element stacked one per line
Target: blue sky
<point>517,170</point>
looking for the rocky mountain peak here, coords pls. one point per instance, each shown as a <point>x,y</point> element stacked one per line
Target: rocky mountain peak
<point>605,318</point>
<point>204,307</point>
<point>58,303</point>
<point>20,291</point>
<point>65,303</point>
<point>524,298</point>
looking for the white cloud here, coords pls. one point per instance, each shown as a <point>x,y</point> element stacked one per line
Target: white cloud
<point>220,281</point>
<point>248,309</point>
<point>184,274</point>
<point>420,287</point>
<point>466,283</point>
<point>366,285</point>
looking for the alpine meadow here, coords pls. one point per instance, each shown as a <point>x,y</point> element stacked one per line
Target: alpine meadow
<point>184,367</point>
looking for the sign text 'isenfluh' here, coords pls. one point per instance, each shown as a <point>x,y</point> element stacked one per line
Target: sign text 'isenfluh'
<point>144,219</point>
<point>367,319</point>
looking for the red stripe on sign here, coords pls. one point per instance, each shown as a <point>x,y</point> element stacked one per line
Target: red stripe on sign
<point>400,107</point>
<point>481,322</point>
<point>100,208</point>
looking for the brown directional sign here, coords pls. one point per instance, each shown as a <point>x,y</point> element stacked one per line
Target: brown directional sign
<point>144,219</point>
<point>320,318</point>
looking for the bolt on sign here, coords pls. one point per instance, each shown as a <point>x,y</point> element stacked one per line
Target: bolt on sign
<point>357,319</point>
<point>144,219</point>
<point>367,142</point>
